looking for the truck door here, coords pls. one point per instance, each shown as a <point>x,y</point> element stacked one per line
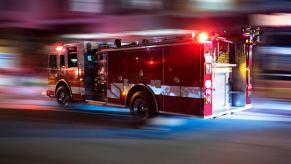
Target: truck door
<point>62,66</point>
<point>73,72</point>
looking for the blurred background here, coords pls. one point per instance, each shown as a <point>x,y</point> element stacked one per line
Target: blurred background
<point>27,27</point>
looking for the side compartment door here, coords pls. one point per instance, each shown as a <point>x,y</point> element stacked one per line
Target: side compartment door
<point>182,88</point>
<point>153,73</point>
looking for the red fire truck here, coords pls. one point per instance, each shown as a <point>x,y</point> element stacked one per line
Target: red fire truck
<point>201,75</point>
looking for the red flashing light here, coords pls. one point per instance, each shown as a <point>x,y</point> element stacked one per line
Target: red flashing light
<point>203,37</point>
<point>151,62</point>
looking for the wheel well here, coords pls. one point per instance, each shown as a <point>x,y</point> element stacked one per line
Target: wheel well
<point>141,88</point>
<point>63,83</point>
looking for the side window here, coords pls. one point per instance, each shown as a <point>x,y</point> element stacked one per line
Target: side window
<point>72,57</point>
<point>62,60</point>
<point>53,61</point>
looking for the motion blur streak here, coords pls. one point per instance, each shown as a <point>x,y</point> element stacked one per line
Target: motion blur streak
<point>274,20</point>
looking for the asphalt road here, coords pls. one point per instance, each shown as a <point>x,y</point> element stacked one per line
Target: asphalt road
<point>36,132</point>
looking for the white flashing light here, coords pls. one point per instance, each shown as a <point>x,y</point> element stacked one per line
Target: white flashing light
<point>203,37</point>
<point>207,84</point>
<point>59,48</point>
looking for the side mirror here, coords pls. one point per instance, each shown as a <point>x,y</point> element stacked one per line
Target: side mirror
<point>117,43</point>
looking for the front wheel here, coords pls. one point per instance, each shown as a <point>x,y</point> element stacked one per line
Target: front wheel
<point>142,106</point>
<point>63,95</point>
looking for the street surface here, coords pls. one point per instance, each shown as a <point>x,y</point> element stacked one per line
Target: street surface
<point>33,130</point>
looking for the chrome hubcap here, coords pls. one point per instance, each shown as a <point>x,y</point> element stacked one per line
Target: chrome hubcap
<point>140,108</point>
<point>63,97</point>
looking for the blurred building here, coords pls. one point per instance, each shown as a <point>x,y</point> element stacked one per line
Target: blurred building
<point>273,56</point>
<point>75,16</point>
<point>27,25</point>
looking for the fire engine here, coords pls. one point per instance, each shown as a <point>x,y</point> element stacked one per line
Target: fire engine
<point>200,75</point>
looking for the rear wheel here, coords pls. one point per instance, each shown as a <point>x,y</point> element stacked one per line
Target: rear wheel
<point>142,106</point>
<point>63,95</point>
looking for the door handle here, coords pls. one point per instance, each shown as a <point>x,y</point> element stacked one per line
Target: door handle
<point>176,79</point>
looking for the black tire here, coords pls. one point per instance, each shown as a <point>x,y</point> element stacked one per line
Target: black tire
<point>63,95</point>
<point>142,106</point>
